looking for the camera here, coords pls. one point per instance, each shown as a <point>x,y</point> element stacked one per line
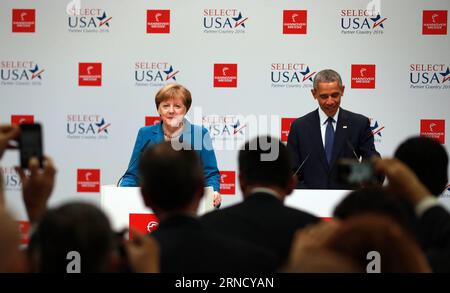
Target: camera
<point>355,174</point>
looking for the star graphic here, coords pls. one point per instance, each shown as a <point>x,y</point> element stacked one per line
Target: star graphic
<point>236,127</point>
<point>36,69</point>
<point>168,72</point>
<point>305,73</point>
<point>444,74</point>
<point>99,125</point>
<point>103,17</point>
<point>239,17</point>
<point>374,127</point>
<point>377,18</point>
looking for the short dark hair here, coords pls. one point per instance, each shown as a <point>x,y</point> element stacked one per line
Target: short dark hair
<point>326,75</point>
<point>170,178</point>
<point>375,200</point>
<point>256,170</point>
<point>77,227</point>
<point>428,159</point>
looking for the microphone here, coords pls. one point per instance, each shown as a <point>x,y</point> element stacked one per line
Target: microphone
<point>135,159</point>
<point>353,149</point>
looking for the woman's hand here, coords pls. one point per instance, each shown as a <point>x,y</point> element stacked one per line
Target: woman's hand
<point>217,200</point>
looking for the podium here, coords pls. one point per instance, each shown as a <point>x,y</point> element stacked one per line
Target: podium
<point>119,202</point>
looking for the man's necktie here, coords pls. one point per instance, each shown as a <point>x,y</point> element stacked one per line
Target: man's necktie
<point>329,139</point>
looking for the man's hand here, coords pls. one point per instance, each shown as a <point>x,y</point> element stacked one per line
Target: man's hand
<point>7,133</point>
<point>217,199</point>
<point>37,186</point>
<point>402,181</point>
<point>143,253</point>
<point>311,238</point>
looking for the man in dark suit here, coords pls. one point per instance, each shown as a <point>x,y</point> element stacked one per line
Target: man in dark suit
<point>172,186</point>
<point>433,218</point>
<point>318,139</point>
<point>265,178</point>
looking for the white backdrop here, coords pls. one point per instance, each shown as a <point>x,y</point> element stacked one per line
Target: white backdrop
<point>408,44</point>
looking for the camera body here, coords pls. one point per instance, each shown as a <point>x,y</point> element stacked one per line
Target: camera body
<point>30,144</point>
<point>355,174</point>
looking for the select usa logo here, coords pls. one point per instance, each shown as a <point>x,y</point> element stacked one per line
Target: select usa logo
<point>433,128</point>
<point>88,20</point>
<point>295,22</point>
<point>225,75</point>
<point>21,73</point>
<point>429,76</point>
<point>89,74</point>
<point>225,127</point>
<point>87,126</point>
<point>376,130</point>
<point>286,128</point>
<point>363,76</point>
<point>362,22</point>
<point>22,119</point>
<point>154,73</point>
<point>291,75</point>
<point>11,180</point>
<point>434,22</point>
<point>224,21</point>
<point>227,182</point>
<point>23,20</point>
<point>88,180</point>
<point>158,21</point>
<point>144,223</point>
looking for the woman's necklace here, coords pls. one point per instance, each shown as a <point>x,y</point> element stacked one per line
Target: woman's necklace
<point>176,133</point>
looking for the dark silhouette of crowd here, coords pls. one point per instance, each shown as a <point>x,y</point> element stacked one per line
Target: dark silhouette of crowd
<point>402,223</point>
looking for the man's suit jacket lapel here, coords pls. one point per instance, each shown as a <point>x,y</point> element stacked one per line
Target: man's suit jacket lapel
<point>340,135</point>
<point>316,137</point>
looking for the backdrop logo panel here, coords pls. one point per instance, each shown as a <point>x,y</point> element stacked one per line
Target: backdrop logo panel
<point>225,75</point>
<point>11,180</point>
<point>363,76</point>
<point>22,119</point>
<point>23,20</point>
<point>362,22</point>
<point>154,73</point>
<point>225,128</point>
<point>434,22</point>
<point>89,20</point>
<point>158,21</point>
<point>152,120</point>
<point>227,182</point>
<point>89,74</point>
<point>88,180</point>
<point>24,229</point>
<point>144,223</point>
<point>21,73</point>
<point>291,75</point>
<point>434,128</point>
<point>376,130</point>
<point>87,126</point>
<point>429,76</point>
<point>286,128</point>
<point>295,22</point>
<point>224,21</point>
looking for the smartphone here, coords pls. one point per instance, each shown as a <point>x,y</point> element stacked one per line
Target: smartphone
<point>30,144</point>
<point>354,173</point>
